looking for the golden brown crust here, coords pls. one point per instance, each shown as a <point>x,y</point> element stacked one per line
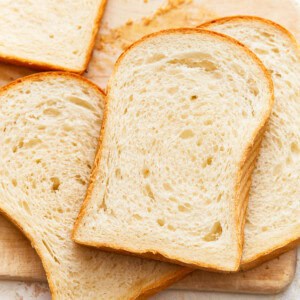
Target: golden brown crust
<point>11,218</point>
<point>291,243</point>
<point>151,254</point>
<point>250,18</point>
<point>38,65</point>
<point>268,255</point>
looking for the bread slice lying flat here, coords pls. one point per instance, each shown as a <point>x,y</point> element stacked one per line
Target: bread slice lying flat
<point>185,108</point>
<point>50,123</point>
<point>273,218</point>
<point>49,34</point>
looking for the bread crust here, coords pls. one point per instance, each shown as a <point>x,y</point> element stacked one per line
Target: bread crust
<point>11,218</point>
<point>248,151</point>
<point>39,65</point>
<point>295,241</point>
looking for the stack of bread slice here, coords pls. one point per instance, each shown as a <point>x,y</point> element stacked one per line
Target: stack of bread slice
<point>164,160</point>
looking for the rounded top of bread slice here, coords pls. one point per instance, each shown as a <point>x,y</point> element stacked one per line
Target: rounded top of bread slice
<point>184,108</point>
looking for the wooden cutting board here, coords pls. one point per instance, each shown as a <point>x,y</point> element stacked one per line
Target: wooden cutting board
<point>18,261</point>
<point>122,25</point>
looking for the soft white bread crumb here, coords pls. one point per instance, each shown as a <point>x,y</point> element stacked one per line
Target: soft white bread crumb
<point>183,107</point>
<point>49,34</point>
<point>273,217</point>
<point>49,127</point>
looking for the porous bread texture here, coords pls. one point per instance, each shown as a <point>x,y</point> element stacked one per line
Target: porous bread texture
<point>170,182</point>
<point>54,35</point>
<point>50,123</point>
<point>273,217</point>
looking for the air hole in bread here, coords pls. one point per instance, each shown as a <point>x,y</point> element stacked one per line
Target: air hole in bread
<point>214,233</point>
<point>51,112</point>
<point>80,180</point>
<point>75,52</point>
<point>207,162</point>
<point>146,172</point>
<point>125,111</point>
<point>149,209</point>
<point>148,191</point>
<point>81,103</point>
<point>206,65</point>
<point>51,36</point>
<point>219,197</point>
<point>199,142</point>
<point>27,92</point>
<point>260,51</point>
<point>118,173</point>
<point>173,199</point>
<point>183,208</point>
<point>41,127</point>
<point>244,114</point>
<point>170,227</point>
<point>79,27</point>
<point>26,207</point>
<point>14,182</point>
<point>187,134</point>
<point>264,228</point>
<point>155,57</point>
<point>194,97</point>
<point>21,143</point>
<point>33,142</point>
<point>55,183</point>
<point>275,50</point>
<point>295,148</point>
<point>160,222</point>
<point>167,187</point>
<point>137,217</point>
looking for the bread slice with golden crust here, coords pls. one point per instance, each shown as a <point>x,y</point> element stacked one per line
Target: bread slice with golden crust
<point>49,35</point>
<point>50,123</point>
<point>273,217</point>
<point>186,111</point>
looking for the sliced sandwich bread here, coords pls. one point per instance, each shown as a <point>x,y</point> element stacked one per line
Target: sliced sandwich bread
<point>50,123</point>
<point>49,34</point>
<point>273,217</point>
<point>186,110</point>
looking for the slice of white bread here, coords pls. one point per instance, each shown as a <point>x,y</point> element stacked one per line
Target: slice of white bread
<point>273,217</point>
<point>49,34</point>
<point>49,134</point>
<point>185,108</point>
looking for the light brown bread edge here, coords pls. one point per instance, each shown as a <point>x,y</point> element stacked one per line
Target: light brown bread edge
<point>292,243</point>
<point>240,211</point>
<point>37,65</point>
<point>11,218</point>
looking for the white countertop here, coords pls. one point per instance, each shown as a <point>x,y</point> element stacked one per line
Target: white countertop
<point>37,291</point>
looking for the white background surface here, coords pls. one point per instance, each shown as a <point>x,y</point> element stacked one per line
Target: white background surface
<point>37,291</point>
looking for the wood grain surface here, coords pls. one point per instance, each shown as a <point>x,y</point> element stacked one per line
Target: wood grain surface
<point>124,22</point>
